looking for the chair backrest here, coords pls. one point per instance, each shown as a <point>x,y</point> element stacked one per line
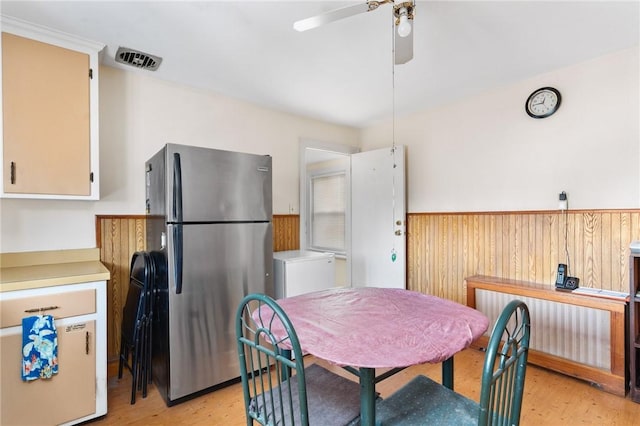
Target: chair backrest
<point>138,305</point>
<point>504,367</point>
<point>271,368</point>
<point>142,272</point>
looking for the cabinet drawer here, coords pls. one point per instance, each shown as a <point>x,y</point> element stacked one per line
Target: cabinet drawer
<point>61,305</point>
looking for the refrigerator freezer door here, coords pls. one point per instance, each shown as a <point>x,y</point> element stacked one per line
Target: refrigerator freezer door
<point>210,185</point>
<point>221,264</point>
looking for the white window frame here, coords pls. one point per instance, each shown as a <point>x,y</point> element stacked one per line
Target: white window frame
<point>337,149</point>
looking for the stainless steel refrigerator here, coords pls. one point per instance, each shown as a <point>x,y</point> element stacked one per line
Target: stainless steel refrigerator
<point>209,216</point>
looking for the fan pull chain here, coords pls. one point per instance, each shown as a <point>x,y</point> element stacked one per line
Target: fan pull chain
<point>393,87</point>
<point>393,140</point>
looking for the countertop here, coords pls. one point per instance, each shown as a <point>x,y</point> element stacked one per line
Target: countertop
<point>28,270</point>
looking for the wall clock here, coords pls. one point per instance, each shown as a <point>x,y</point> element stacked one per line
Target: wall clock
<point>543,102</point>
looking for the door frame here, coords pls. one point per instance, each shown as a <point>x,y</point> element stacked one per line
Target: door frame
<point>329,148</point>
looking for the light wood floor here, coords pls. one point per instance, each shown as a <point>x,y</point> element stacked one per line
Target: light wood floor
<point>550,399</point>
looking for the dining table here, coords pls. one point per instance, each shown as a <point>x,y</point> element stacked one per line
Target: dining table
<point>367,328</point>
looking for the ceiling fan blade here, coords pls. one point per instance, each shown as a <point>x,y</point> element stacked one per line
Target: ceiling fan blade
<point>403,48</point>
<point>334,15</point>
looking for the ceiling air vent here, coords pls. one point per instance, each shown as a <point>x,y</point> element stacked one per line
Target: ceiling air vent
<point>137,59</point>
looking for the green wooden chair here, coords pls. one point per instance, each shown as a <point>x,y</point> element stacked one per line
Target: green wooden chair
<point>277,388</point>
<point>425,402</point>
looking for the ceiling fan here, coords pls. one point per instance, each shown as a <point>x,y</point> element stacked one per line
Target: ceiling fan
<point>403,13</point>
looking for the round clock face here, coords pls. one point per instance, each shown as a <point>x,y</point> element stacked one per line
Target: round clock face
<point>543,102</point>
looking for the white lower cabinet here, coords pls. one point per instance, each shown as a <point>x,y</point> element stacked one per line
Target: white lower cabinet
<point>78,391</point>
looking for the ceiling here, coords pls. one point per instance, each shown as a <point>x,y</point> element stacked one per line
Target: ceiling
<point>343,72</point>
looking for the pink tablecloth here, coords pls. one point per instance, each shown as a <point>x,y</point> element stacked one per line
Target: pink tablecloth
<point>381,328</point>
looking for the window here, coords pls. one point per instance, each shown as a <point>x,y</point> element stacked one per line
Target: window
<point>328,211</point>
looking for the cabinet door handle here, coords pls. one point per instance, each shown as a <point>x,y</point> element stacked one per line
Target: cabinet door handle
<point>13,173</point>
<point>41,310</point>
<point>86,341</point>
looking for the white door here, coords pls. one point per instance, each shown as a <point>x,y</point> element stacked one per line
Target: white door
<point>378,218</point>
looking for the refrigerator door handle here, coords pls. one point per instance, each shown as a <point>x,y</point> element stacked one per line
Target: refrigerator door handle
<point>177,256</point>
<point>177,188</point>
<point>177,214</point>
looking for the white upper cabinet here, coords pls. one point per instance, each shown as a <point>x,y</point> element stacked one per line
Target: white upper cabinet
<point>49,113</point>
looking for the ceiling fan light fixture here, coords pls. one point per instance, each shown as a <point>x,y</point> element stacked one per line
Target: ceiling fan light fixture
<point>403,13</point>
<point>404,26</point>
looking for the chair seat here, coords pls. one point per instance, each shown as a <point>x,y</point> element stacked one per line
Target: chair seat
<point>333,399</point>
<point>425,402</point>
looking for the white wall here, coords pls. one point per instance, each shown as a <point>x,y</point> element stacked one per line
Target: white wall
<point>486,154</point>
<point>479,154</point>
<point>138,115</point>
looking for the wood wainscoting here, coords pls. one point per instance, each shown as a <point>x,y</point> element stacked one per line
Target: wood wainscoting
<point>119,236</point>
<point>442,250</point>
<point>286,232</point>
<point>445,248</point>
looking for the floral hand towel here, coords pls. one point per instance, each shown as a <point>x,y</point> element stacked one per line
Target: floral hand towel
<point>39,347</point>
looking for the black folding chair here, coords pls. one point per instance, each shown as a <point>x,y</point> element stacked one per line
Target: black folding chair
<point>135,336</point>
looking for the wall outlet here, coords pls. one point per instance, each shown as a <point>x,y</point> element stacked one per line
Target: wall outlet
<point>563,202</point>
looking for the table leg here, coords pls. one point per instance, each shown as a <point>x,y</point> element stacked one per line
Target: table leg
<point>367,397</point>
<point>447,373</point>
